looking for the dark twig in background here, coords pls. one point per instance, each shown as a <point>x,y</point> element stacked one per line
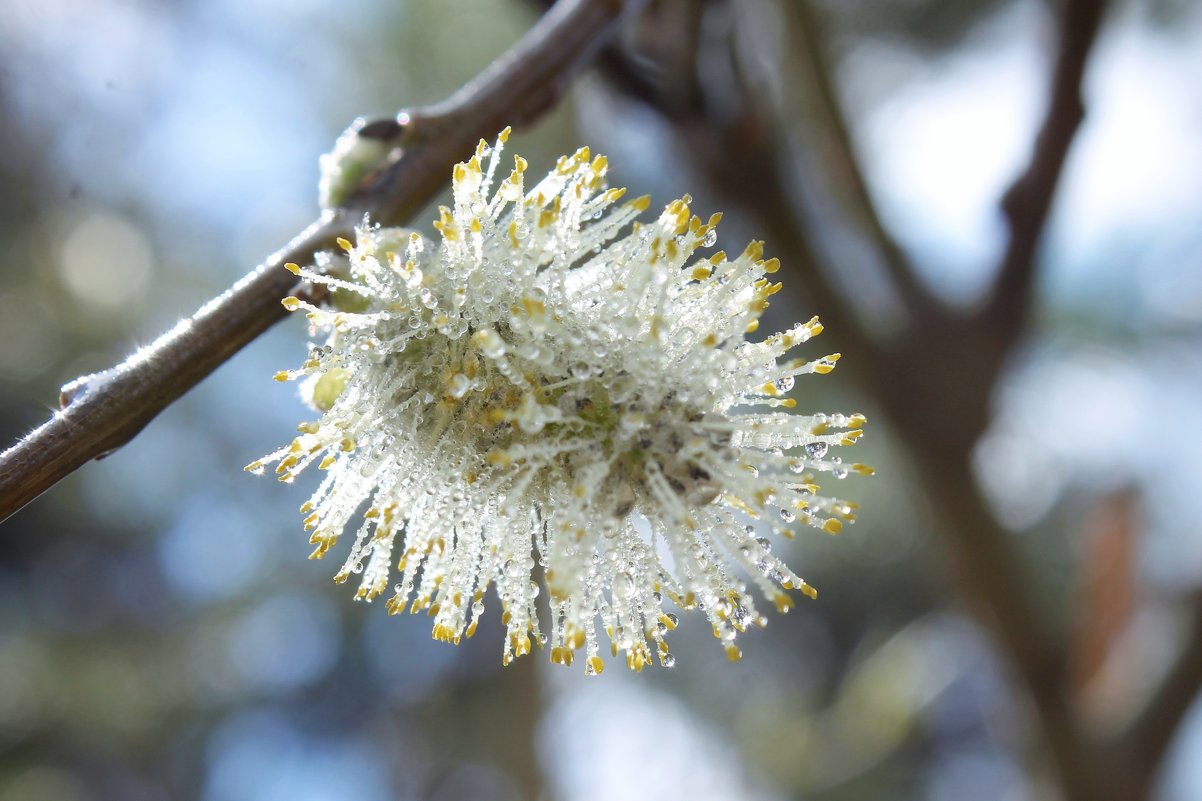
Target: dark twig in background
<point>1029,199</point>
<point>747,161</point>
<point>102,412</point>
<point>1143,743</point>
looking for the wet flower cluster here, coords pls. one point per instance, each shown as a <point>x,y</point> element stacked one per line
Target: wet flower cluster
<point>558,398</point>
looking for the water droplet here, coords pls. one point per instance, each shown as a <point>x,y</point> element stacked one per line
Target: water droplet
<point>668,660</point>
<point>784,383</point>
<point>625,585</point>
<point>816,450</point>
<point>460,385</point>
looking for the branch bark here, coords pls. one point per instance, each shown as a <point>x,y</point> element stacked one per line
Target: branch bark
<point>1028,201</point>
<point>935,380</point>
<point>844,172</point>
<point>1145,741</point>
<point>102,412</point>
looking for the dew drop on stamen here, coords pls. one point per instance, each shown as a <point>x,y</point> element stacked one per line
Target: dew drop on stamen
<point>816,450</point>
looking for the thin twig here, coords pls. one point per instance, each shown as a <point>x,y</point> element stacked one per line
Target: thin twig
<point>1145,740</point>
<point>743,160</point>
<point>742,156</point>
<point>1029,199</point>
<point>102,412</point>
<point>839,155</point>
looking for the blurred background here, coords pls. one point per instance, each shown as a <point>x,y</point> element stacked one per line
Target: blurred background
<point>162,635</point>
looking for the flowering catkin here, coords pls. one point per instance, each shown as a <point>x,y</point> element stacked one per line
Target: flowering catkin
<point>558,396</point>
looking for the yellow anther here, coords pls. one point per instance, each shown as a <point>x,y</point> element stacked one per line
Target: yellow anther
<point>832,526</point>
<point>282,375</point>
<point>827,363</point>
<point>863,469</point>
<point>290,303</point>
<point>595,666</point>
<point>771,266</point>
<point>733,652</point>
<point>292,267</point>
<point>809,591</point>
<point>344,244</point>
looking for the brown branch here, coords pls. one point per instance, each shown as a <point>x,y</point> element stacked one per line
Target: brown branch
<point>742,157</point>
<point>1145,740</point>
<point>843,164</point>
<point>1029,199</point>
<point>102,412</point>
